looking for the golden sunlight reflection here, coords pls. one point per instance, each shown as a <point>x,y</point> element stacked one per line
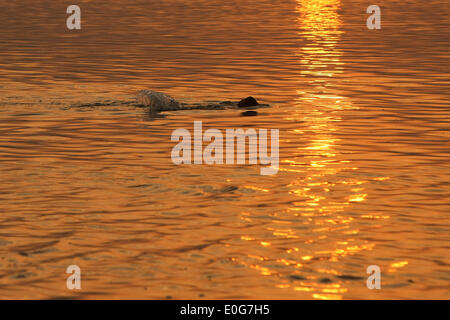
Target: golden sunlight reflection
<point>320,194</point>
<point>88,176</point>
<point>319,106</point>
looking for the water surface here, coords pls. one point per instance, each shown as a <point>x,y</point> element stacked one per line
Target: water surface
<point>364,172</point>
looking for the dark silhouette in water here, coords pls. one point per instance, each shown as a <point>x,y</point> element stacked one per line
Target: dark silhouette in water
<point>158,101</point>
<point>249,113</point>
<point>248,102</point>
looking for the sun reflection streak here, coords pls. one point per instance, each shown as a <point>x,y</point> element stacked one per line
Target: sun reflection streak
<point>314,220</point>
<point>318,106</point>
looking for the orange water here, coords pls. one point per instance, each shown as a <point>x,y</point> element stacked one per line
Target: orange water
<point>364,145</point>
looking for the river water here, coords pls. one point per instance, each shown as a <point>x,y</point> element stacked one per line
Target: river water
<point>363,117</point>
